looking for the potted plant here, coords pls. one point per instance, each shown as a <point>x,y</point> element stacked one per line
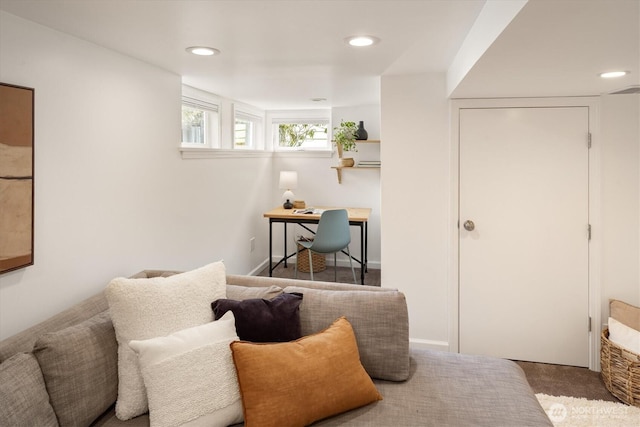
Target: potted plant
<point>344,137</point>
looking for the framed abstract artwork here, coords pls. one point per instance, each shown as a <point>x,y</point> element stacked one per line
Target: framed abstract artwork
<point>16,176</point>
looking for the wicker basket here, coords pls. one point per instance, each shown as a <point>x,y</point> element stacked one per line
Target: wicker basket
<point>319,261</point>
<point>620,370</point>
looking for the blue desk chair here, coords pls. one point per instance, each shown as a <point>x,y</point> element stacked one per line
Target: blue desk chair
<point>332,236</point>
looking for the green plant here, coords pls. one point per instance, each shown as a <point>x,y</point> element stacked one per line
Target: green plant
<point>345,136</point>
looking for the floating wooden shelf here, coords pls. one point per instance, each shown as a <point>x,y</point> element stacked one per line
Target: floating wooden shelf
<point>340,168</point>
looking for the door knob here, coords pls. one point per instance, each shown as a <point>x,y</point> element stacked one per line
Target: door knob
<point>469,225</point>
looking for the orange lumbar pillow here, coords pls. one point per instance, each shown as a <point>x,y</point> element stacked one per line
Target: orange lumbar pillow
<point>299,382</point>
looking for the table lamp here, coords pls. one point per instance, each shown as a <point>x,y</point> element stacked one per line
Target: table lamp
<point>288,182</point>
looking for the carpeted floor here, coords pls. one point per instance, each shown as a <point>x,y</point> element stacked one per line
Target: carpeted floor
<point>560,380</point>
<point>555,380</point>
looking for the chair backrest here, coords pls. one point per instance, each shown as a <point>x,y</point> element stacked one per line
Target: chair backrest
<point>333,232</point>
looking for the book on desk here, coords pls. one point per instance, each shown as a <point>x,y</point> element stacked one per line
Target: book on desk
<point>308,211</point>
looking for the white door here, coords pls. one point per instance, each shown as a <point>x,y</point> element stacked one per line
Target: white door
<point>523,269</point>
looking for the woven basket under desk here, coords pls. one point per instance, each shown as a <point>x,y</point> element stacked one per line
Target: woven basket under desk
<point>319,261</point>
<point>620,370</point>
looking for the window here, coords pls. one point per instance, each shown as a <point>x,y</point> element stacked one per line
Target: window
<point>193,125</point>
<point>305,135</point>
<point>247,130</point>
<point>200,124</point>
<point>216,127</point>
<point>301,130</point>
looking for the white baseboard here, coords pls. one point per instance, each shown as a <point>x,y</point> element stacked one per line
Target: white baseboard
<point>264,264</point>
<point>418,343</point>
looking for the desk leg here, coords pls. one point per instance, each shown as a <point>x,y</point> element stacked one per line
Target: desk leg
<point>285,244</point>
<point>366,247</point>
<point>362,254</point>
<point>270,247</point>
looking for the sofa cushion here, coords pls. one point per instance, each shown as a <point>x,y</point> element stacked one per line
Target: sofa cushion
<point>299,382</point>
<point>264,320</point>
<point>154,307</point>
<point>23,397</point>
<point>190,376</point>
<point>244,292</point>
<point>261,281</point>
<point>451,390</point>
<point>379,319</point>
<point>625,313</point>
<point>80,369</point>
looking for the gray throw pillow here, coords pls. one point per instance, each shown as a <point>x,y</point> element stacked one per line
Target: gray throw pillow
<point>23,397</point>
<point>80,368</point>
<point>380,322</point>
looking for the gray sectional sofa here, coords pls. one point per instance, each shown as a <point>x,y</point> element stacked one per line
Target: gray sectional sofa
<point>64,371</point>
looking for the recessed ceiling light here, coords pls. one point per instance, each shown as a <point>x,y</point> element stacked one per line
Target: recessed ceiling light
<point>362,41</point>
<point>613,74</point>
<point>203,50</point>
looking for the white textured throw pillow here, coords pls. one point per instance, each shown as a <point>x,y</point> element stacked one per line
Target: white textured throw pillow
<point>149,308</point>
<point>624,336</point>
<point>190,376</point>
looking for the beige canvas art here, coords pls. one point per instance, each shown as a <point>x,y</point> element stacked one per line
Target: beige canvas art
<point>16,177</point>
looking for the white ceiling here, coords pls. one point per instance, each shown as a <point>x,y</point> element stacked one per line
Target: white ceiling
<point>558,48</point>
<point>278,54</point>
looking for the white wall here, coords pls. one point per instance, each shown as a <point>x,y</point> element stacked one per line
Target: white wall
<point>112,194</point>
<point>416,202</point>
<point>620,123</point>
<point>415,199</point>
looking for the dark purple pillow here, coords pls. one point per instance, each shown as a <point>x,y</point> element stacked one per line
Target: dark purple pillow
<point>263,320</point>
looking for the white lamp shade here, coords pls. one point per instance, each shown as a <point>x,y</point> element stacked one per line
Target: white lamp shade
<point>288,180</point>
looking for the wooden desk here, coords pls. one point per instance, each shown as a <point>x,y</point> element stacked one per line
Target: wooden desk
<point>358,217</point>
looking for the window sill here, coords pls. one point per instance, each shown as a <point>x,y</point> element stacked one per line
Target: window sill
<point>219,153</point>
<point>304,153</point>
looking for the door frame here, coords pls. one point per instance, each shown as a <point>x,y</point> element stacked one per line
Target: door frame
<point>594,178</point>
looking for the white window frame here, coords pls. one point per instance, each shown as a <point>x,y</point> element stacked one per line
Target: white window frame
<point>256,118</point>
<point>223,148</point>
<point>275,118</point>
<point>207,102</point>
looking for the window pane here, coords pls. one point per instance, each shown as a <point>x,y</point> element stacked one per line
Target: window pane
<point>193,125</point>
<point>242,133</point>
<point>308,135</point>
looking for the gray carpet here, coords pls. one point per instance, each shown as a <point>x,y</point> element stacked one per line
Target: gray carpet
<point>560,380</point>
